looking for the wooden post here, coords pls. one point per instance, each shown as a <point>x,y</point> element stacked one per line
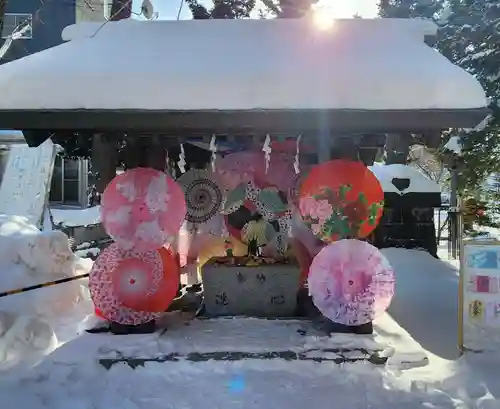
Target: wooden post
<point>460,324</point>
<point>454,227</point>
<point>104,160</point>
<point>324,143</point>
<point>156,153</point>
<point>3,8</point>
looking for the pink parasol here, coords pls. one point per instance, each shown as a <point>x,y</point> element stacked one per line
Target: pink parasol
<point>113,265</point>
<point>351,282</point>
<point>242,167</point>
<point>142,208</point>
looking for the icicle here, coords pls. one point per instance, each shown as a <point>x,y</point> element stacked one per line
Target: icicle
<point>267,151</point>
<point>213,149</point>
<point>182,160</point>
<point>167,165</point>
<point>296,164</point>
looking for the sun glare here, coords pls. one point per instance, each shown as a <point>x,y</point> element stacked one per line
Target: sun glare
<point>326,11</point>
<point>322,20</point>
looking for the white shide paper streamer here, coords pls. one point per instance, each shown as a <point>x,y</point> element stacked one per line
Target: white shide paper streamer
<point>267,151</point>
<point>182,160</point>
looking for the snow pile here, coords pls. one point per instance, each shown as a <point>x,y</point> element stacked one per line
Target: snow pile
<point>32,323</point>
<point>419,183</point>
<point>71,374</point>
<point>77,217</point>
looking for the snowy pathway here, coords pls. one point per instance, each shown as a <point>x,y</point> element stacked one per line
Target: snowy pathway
<point>426,303</point>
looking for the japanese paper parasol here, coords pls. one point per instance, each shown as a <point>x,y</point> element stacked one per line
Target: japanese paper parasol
<point>269,201</point>
<point>259,230</point>
<point>341,199</point>
<point>252,201</point>
<point>241,167</point>
<point>351,282</point>
<point>130,287</point>
<point>203,195</point>
<point>142,209</point>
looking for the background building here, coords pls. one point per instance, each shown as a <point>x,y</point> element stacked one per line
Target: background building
<point>70,178</point>
<point>46,20</point>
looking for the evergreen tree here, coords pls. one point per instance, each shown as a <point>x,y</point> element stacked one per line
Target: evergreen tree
<point>469,36</point>
<point>410,8</point>
<point>233,9</point>
<point>221,9</point>
<point>288,8</point>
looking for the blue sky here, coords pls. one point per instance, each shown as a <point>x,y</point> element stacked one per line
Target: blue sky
<point>336,8</point>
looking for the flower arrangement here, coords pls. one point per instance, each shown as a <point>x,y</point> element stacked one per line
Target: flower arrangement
<point>332,216</point>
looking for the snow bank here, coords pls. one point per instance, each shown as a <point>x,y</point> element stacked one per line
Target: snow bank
<point>32,323</point>
<point>77,217</point>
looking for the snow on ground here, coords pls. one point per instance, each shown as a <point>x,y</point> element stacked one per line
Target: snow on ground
<point>421,323</point>
<point>432,286</point>
<point>72,375</point>
<point>76,217</point>
<point>33,323</point>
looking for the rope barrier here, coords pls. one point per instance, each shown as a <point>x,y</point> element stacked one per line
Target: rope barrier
<point>35,287</point>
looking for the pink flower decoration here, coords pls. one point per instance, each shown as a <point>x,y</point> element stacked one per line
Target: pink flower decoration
<point>307,206</point>
<point>323,210</point>
<point>316,228</point>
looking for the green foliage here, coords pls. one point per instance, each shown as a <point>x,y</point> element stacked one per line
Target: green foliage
<point>469,36</point>
<point>288,8</point>
<point>410,8</point>
<point>233,9</point>
<point>221,9</point>
<point>348,215</point>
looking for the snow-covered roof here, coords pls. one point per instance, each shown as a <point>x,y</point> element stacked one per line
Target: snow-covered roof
<point>419,183</point>
<point>454,144</point>
<point>10,137</point>
<point>378,64</point>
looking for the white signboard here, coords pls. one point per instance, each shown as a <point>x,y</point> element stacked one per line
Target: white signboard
<point>26,181</point>
<point>480,270</point>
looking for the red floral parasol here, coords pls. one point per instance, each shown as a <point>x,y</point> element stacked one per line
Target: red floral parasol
<point>130,287</point>
<point>142,209</point>
<point>341,199</point>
